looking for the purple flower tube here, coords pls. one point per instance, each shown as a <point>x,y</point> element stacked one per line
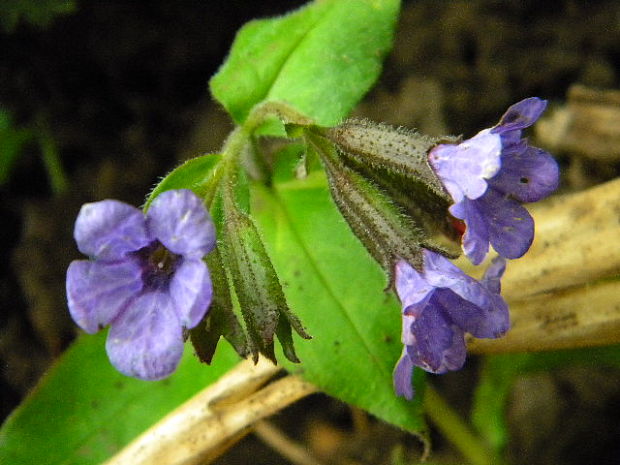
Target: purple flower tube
<point>440,304</point>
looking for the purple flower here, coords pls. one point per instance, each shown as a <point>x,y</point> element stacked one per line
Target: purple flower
<point>146,279</point>
<point>489,175</point>
<point>440,305</point>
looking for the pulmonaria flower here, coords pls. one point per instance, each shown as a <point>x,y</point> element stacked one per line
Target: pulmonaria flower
<point>490,175</point>
<point>441,304</point>
<point>146,278</point>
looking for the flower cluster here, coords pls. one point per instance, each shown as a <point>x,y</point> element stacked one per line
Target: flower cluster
<point>146,278</point>
<point>488,177</point>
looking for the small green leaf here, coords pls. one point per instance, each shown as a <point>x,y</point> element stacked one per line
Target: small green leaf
<point>321,59</point>
<point>40,13</point>
<point>83,410</point>
<point>337,290</point>
<point>12,141</point>
<point>195,174</point>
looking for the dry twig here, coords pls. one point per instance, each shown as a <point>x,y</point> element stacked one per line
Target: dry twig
<point>565,292</point>
<point>202,428</point>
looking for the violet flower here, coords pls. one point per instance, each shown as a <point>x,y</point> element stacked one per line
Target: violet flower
<point>440,305</point>
<point>146,278</point>
<point>489,175</point>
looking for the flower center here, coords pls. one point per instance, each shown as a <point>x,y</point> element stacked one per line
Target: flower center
<point>158,265</point>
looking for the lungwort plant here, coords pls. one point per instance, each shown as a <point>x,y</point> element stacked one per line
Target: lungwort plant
<point>312,244</point>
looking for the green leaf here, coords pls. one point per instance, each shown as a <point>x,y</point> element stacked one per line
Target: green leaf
<point>12,141</point>
<point>321,59</point>
<point>499,373</point>
<point>38,13</point>
<point>195,174</point>
<point>83,411</point>
<point>337,291</point>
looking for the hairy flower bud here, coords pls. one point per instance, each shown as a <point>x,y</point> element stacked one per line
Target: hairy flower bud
<point>221,319</point>
<point>395,150</point>
<point>396,161</point>
<point>258,290</point>
<point>386,232</point>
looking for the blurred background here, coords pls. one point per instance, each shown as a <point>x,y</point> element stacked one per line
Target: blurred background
<point>100,99</point>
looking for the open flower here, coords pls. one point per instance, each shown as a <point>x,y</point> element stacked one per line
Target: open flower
<point>441,304</point>
<point>146,278</point>
<point>489,175</point>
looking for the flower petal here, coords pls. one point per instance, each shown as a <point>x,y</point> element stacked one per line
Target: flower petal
<point>411,287</point>
<point>402,376</point>
<point>180,221</point>
<point>493,274</point>
<point>109,229</point>
<point>511,228</point>
<point>444,275</point>
<point>464,168</point>
<point>475,241</point>
<point>491,321</point>
<point>521,115</point>
<point>97,291</point>
<point>146,340</point>
<point>440,345</point>
<point>529,175</point>
<point>191,291</point>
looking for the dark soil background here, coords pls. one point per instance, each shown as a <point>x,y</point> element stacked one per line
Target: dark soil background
<point>122,87</point>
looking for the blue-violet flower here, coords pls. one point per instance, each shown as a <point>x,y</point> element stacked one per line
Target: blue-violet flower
<point>440,304</point>
<point>146,278</point>
<point>489,175</point>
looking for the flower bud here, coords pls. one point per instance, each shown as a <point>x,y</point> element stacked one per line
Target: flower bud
<point>221,319</point>
<point>395,150</point>
<point>387,233</point>
<point>258,290</point>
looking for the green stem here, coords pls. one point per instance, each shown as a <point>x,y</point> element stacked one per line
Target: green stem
<point>456,430</point>
<point>287,114</point>
<point>231,150</point>
<point>241,136</point>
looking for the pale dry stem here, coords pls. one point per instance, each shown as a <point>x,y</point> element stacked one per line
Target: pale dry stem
<point>201,429</point>
<point>565,292</point>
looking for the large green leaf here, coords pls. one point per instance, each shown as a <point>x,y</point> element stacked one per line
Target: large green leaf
<point>84,411</point>
<point>337,290</point>
<point>321,59</point>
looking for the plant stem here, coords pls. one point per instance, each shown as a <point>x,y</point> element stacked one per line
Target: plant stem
<point>456,430</point>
